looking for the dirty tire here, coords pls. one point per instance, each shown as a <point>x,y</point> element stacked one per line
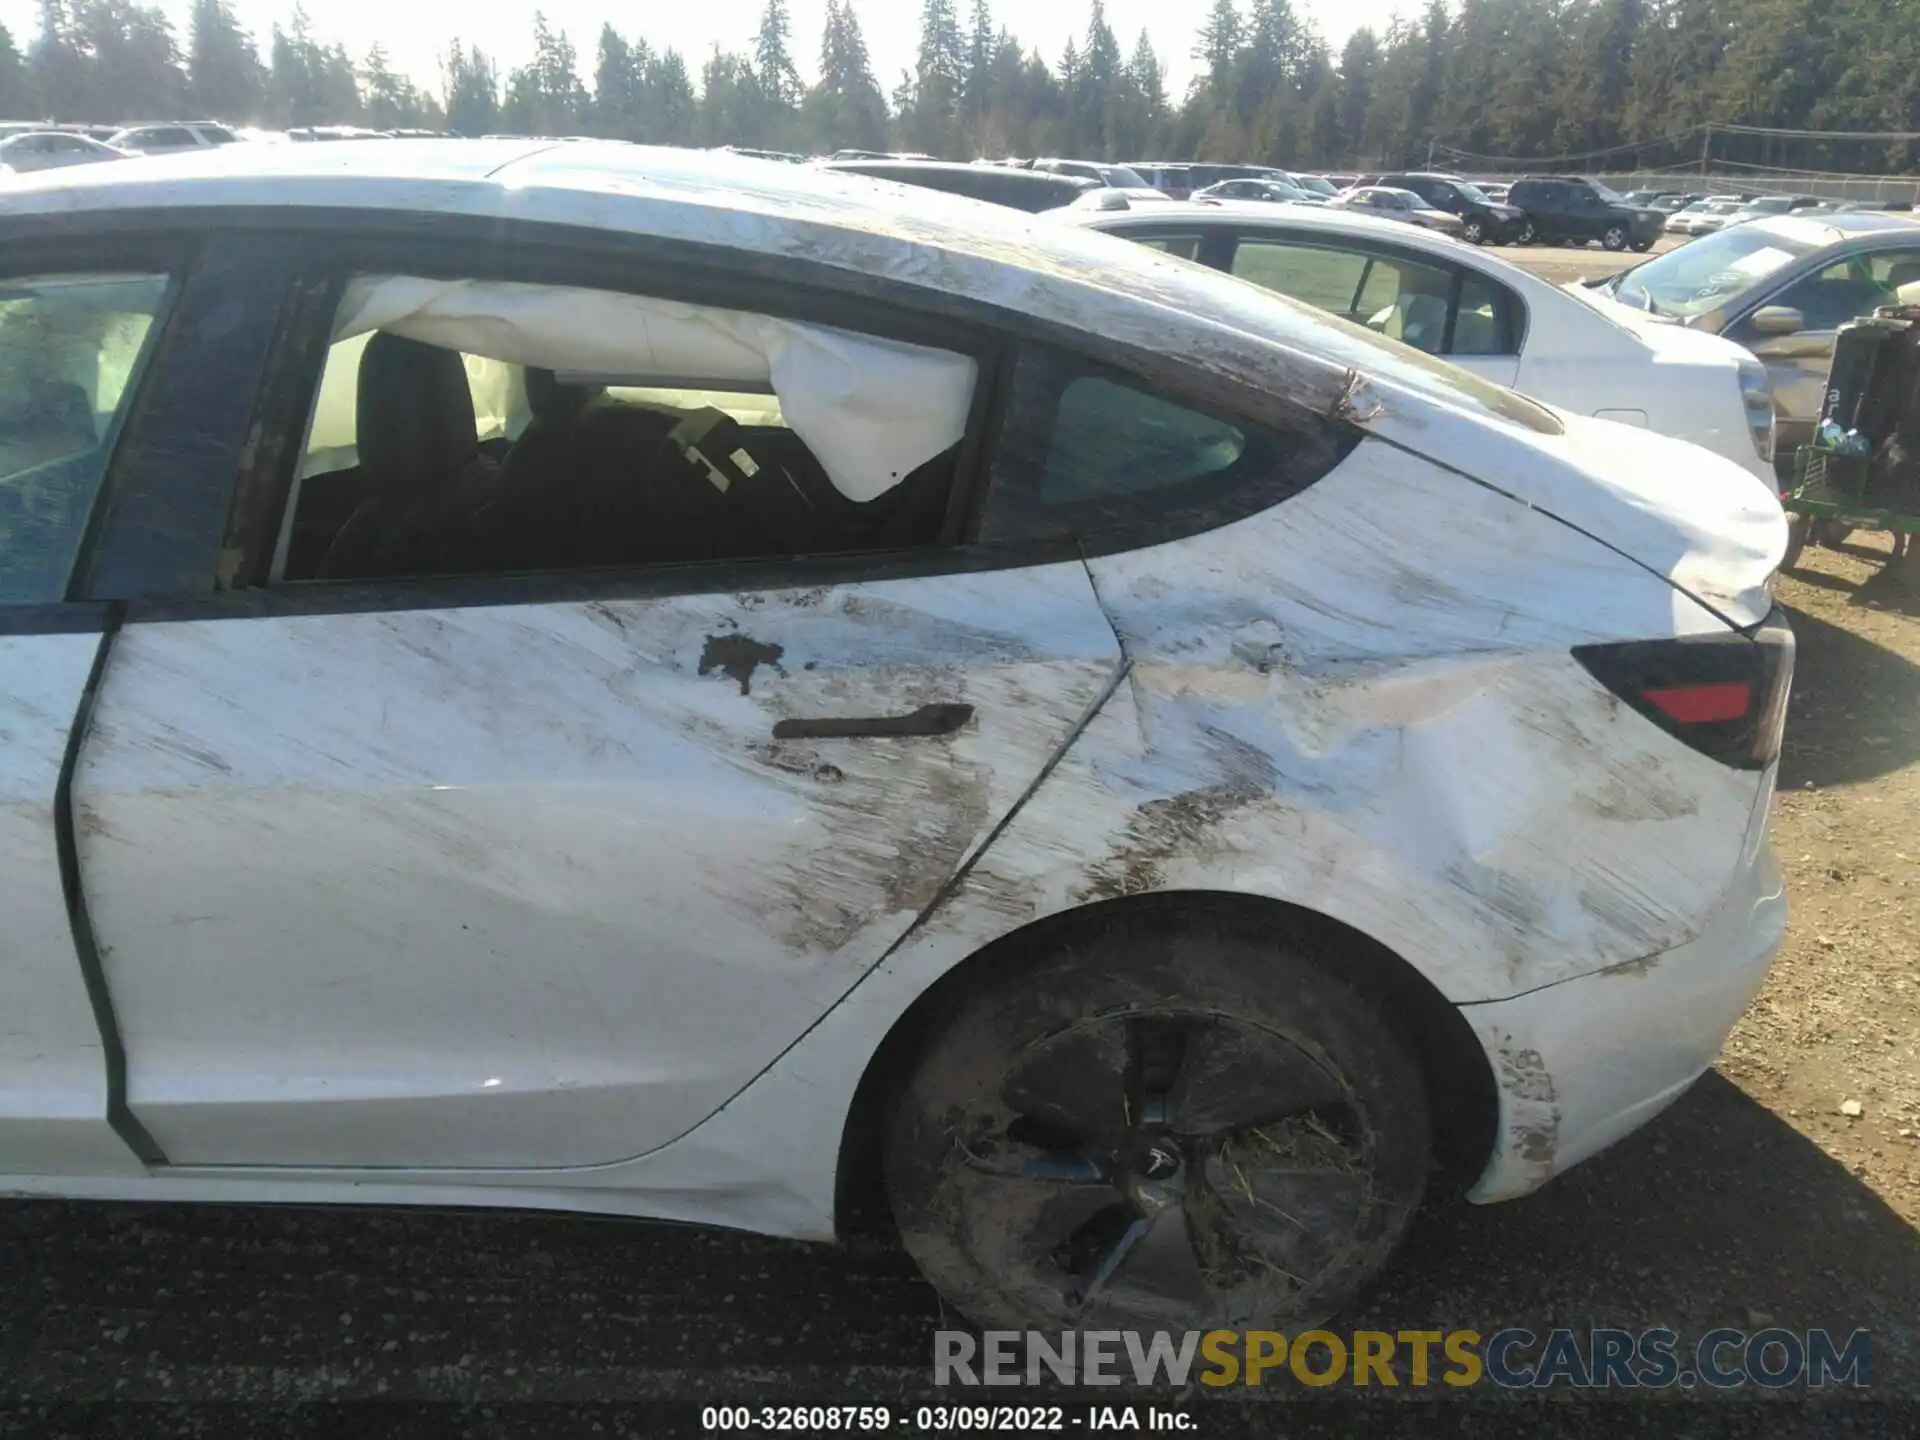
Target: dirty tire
<point>1160,1128</point>
<point>1799,531</point>
<point>1614,237</point>
<point>1831,534</point>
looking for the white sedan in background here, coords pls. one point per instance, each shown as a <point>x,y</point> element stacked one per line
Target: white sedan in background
<point>53,150</point>
<point>1703,217</point>
<point>1483,314</point>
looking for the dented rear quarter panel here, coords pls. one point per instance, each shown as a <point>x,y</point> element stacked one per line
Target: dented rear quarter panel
<point>1363,702</point>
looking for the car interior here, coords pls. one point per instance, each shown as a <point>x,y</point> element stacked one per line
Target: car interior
<point>430,459</point>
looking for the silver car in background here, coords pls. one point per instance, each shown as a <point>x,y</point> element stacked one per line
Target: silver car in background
<point>1781,286</point>
<point>51,150</point>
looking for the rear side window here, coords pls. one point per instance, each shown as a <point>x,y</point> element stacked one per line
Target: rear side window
<point>1110,440</point>
<point>1327,279</point>
<point>1487,321</point>
<point>72,349</point>
<point>168,137</point>
<point>1113,460</point>
<point>1187,247</point>
<point>472,427</point>
<point>1392,295</point>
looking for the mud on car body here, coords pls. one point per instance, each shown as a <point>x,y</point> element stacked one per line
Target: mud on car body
<point>624,680</point>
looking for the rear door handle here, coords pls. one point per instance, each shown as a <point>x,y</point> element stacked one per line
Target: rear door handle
<point>927,720</point>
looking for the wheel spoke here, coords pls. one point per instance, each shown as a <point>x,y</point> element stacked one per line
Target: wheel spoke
<point>1013,1161</point>
<point>1074,1086</point>
<point>1154,1260</point>
<point>1156,1053</point>
<point>1233,1079</point>
<point>1109,1260</point>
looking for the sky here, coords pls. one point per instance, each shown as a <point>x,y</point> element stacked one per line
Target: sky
<point>416,33</point>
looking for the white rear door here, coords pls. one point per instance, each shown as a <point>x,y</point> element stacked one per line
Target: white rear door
<point>540,885</point>
<point>53,1064</point>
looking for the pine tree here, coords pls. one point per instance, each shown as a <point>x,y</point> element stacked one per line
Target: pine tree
<point>55,68</point>
<point>618,81</point>
<point>932,114</point>
<point>224,74</point>
<point>1094,90</point>
<point>845,110</point>
<point>977,94</point>
<point>773,58</point>
<point>1218,47</point>
<point>545,96</point>
<point>1359,63</point>
<point>472,90</point>
<point>132,65</point>
<point>15,97</point>
<point>672,112</point>
<point>388,99</point>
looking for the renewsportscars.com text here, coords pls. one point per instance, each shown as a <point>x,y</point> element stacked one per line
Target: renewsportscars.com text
<point>1596,1358</point>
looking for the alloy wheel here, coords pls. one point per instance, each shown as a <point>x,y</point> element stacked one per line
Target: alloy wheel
<point>1169,1168</point>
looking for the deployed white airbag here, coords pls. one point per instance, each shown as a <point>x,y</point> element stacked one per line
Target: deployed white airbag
<point>870,410</point>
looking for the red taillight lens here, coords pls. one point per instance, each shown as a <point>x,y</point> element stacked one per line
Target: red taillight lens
<point>1701,704</point>
<point>1723,694</point>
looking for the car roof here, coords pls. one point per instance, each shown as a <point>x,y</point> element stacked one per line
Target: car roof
<point>1047,272</point>
<point>1286,217</point>
<point>1834,227</point>
<point>1036,180</point>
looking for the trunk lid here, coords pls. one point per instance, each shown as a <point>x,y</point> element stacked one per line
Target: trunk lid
<point>1711,528</point>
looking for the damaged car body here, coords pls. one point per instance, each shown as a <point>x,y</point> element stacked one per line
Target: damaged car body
<point>625,680</point>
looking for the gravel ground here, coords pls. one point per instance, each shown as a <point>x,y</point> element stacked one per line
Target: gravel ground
<point>1784,1190</point>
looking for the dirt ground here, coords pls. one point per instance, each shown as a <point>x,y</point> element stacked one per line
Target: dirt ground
<point>1832,1044</point>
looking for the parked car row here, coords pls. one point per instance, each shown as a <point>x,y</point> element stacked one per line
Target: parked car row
<point>668,686</point>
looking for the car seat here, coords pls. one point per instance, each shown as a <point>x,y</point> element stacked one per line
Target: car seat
<point>1903,278</point>
<point>418,442</point>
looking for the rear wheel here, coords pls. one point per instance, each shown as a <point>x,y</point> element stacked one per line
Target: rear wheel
<point>1170,1130</point>
<point>1642,246</point>
<point>1614,237</point>
<point>1528,235</point>
<point>1474,233</point>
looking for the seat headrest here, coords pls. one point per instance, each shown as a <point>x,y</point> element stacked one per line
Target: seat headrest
<point>549,399</point>
<point>415,421</point>
<point>1902,274</point>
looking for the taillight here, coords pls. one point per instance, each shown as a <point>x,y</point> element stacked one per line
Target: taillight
<point>1723,694</point>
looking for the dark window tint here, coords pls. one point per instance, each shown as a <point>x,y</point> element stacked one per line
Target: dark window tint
<point>1391,294</point>
<point>1326,278</point>
<point>1843,291</point>
<point>72,348</point>
<point>168,136</point>
<point>1485,322</point>
<point>217,135</point>
<point>1111,440</point>
<point>1187,247</point>
<point>1112,459</point>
